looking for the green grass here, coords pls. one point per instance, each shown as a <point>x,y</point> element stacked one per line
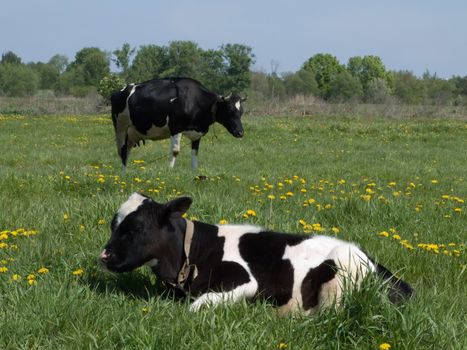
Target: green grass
<point>361,179</point>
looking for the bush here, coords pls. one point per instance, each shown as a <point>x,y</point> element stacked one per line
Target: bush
<point>18,80</point>
<point>378,91</point>
<point>109,84</point>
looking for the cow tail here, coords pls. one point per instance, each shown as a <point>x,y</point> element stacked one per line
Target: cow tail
<point>398,289</point>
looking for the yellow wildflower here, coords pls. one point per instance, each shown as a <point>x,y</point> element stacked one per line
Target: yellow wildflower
<point>66,217</point>
<point>43,270</point>
<point>383,234</point>
<point>384,346</point>
<point>101,222</point>
<point>32,282</point>
<point>335,230</point>
<point>78,272</point>
<point>271,197</point>
<point>16,277</point>
<point>250,212</point>
<point>3,269</point>
<point>223,222</point>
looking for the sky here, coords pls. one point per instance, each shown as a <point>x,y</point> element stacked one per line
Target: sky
<point>414,35</point>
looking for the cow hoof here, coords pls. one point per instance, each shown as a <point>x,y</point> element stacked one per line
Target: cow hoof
<point>201,178</point>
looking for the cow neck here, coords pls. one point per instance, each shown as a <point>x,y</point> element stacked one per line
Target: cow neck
<point>214,111</point>
<point>188,271</point>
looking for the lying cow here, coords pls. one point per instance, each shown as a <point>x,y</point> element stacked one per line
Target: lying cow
<point>167,108</point>
<point>224,263</point>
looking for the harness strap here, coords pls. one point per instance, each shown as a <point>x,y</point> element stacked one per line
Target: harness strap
<point>188,270</point>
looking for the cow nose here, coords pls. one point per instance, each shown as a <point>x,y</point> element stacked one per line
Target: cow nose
<point>104,256</point>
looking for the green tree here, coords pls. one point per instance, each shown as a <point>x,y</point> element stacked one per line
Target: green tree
<point>150,62</point>
<point>60,62</point>
<point>48,75</point>
<point>11,58</point>
<point>377,91</point>
<point>368,68</point>
<point>325,68</point>
<point>94,64</point>
<point>238,60</point>
<point>123,58</point>
<point>302,82</point>
<point>212,69</point>
<point>18,80</point>
<point>408,88</point>
<point>345,87</point>
<point>438,91</point>
<point>184,58</point>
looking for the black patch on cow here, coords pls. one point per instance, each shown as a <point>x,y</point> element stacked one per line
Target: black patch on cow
<point>313,281</point>
<point>206,252</point>
<point>263,252</point>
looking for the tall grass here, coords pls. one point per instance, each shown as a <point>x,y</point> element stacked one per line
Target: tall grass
<point>394,186</point>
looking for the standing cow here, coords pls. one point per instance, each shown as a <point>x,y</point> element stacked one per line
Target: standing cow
<point>167,108</point>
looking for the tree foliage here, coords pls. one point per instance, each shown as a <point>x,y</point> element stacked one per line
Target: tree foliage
<point>325,68</point>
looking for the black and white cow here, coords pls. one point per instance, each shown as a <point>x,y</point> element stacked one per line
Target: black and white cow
<point>224,263</point>
<point>167,108</point>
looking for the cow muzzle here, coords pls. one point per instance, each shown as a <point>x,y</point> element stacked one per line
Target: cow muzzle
<point>238,133</point>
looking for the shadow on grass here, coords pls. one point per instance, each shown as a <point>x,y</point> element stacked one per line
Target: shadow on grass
<point>138,284</point>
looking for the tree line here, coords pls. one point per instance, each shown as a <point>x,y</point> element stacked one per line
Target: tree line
<point>227,69</point>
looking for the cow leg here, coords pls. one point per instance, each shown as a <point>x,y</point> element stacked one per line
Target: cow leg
<point>174,148</point>
<point>194,153</point>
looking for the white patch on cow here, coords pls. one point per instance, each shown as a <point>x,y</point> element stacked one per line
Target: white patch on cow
<point>152,263</point>
<point>194,159</point>
<point>131,205</point>
<point>211,299</point>
<point>237,105</point>
<point>351,261</point>
<point>232,235</point>
<point>193,135</point>
<point>174,148</point>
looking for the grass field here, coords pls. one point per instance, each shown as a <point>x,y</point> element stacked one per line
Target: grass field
<point>396,187</point>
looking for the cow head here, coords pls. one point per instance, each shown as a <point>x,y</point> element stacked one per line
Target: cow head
<point>144,231</point>
<point>229,113</point>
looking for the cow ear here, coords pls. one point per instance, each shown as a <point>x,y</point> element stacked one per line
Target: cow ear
<point>220,98</point>
<point>177,207</point>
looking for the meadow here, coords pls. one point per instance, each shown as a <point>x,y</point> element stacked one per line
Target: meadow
<point>397,187</point>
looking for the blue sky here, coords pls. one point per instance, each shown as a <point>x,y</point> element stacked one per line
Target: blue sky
<point>413,35</point>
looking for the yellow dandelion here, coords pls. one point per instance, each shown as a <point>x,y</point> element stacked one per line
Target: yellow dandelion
<point>271,197</point>
<point>290,194</point>
<point>396,236</point>
<point>223,222</point>
<point>282,345</point>
<point>32,282</point>
<point>250,212</point>
<point>383,234</point>
<point>66,216</point>
<point>16,277</point>
<point>78,272</point>
<point>434,181</point>
<point>43,270</point>
<point>31,276</point>
<point>458,210</point>
<point>384,346</point>
<point>335,230</point>
<point>3,269</point>
<point>145,310</point>
<point>101,222</point>
<point>3,245</point>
